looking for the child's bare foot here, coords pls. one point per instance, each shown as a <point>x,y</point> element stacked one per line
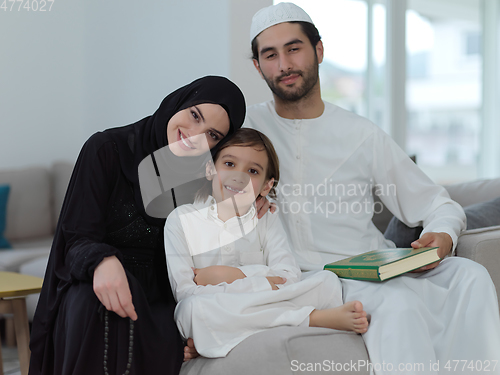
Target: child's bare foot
<point>348,317</point>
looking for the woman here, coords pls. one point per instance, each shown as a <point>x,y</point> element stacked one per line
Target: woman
<point>108,254</point>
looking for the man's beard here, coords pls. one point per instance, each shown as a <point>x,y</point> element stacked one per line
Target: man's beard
<point>310,77</point>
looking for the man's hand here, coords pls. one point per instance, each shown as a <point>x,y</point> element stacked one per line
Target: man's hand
<point>214,275</point>
<point>262,205</point>
<point>190,351</point>
<point>112,289</point>
<point>432,239</point>
<point>273,280</point>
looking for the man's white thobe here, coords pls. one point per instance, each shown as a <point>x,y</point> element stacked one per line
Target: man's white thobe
<point>330,167</point>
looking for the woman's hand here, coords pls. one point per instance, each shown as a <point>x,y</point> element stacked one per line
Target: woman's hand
<point>214,275</point>
<point>273,280</point>
<point>112,289</point>
<point>263,205</point>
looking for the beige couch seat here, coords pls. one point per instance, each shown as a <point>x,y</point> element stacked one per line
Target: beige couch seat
<point>35,200</point>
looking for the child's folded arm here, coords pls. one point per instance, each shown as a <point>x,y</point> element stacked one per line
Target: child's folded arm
<point>255,270</point>
<point>285,270</point>
<point>187,287</point>
<point>180,268</point>
<point>213,275</point>
<point>182,281</point>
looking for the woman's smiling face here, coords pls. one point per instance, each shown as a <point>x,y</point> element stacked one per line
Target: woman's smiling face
<point>195,130</point>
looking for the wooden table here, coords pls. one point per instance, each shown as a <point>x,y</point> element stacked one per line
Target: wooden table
<point>14,287</point>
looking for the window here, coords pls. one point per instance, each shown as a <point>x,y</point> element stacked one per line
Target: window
<point>443,88</point>
<point>472,43</point>
<point>349,78</point>
<point>450,117</point>
<point>342,26</point>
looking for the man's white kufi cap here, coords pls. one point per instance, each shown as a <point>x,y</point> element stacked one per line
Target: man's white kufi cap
<point>275,14</point>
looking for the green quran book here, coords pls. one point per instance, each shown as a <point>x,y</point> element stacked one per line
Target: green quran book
<point>379,265</point>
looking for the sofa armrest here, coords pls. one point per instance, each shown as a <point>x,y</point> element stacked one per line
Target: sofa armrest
<point>482,245</point>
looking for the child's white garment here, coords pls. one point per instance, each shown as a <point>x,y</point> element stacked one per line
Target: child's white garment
<point>218,317</point>
<point>219,322</point>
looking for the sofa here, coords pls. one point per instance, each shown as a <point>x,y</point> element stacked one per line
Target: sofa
<point>305,350</point>
<point>34,203</point>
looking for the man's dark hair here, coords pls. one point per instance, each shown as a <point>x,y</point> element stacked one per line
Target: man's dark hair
<point>307,28</point>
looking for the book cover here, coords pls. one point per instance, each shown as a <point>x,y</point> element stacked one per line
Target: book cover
<point>383,264</point>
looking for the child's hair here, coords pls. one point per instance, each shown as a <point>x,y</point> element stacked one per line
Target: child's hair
<point>247,138</point>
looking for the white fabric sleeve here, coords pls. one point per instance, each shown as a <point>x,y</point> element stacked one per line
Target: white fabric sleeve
<point>180,273</point>
<point>277,253</point>
<point>410,194</point>
<point>259,269</point>
<point>254,270</point>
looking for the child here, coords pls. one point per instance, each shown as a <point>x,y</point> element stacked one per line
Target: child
<point>232,274</point>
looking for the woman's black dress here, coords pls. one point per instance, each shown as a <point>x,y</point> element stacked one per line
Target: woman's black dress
<point>103,215</point>
<point>105,223</point>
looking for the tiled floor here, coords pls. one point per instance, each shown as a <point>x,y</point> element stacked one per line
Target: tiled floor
<point>10,361</point>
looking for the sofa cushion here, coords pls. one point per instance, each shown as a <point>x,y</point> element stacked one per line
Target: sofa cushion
<point>11,261</point>
<point>23,252</point>
<point>479,215</point>
<point>287,351</point>
<point>473,192</point>
<point>382,216</point>
<point>484,214</point>
<point>466,194</point>
<point>4,196</point>
<point>29,212</point>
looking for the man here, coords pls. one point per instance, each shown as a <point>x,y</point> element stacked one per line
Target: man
<point>331,161</point>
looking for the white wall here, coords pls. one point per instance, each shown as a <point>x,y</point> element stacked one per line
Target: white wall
<point>137,53</point>
<point>242,70</point>
<point>88,65</point>
<point>41,83</point>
